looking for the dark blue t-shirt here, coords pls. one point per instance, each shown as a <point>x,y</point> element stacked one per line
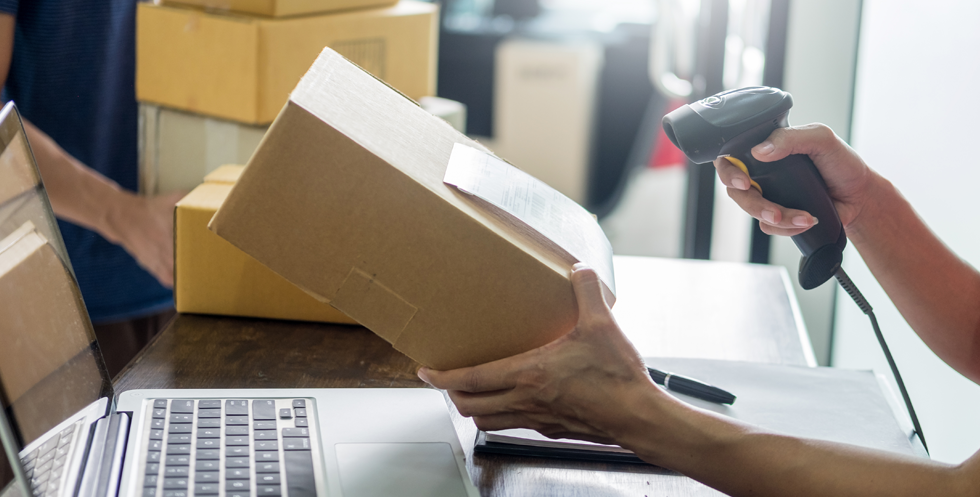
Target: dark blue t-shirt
<point>73,76</point>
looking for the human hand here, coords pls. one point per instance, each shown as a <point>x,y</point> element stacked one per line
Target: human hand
<point>144,226</point>
<point>848,178</point>
<point>579,386</point>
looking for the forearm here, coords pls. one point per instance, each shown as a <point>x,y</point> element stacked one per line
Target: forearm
<point>77,193</point>
<point>936,292</point>
<point>739,459</point>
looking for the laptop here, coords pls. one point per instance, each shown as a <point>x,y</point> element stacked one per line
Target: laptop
<point>65,433</point>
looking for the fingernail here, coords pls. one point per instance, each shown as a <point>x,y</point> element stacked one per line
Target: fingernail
<point>579,265</point>
<point>769,216</point>
<point>765,148</point>
<point>800,221</point>
<point>739,183</point>
<point>815,221</point>
<point>422,375</point>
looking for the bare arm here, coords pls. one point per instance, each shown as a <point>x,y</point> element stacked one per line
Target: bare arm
<point>936,292</point>
<point>592,385</point>
<point>143,226</point>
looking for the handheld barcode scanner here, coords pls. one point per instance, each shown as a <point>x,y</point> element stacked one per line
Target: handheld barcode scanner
<point>731,123</point>
<point>728,125</point>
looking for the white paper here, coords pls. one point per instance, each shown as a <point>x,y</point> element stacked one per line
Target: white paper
<point>536,204</point>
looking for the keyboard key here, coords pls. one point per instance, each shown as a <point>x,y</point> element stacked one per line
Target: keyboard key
<point>236,462</point>
<point>267,456</point>
<point>236,407</point>
<point>264,425</point>
<point>208,443</point>
<point>159,413</point>
<point>48,446</point>
<point>158,423</point>
<point>150,492</point>
<point>296,444</point>
<point>234,431</point>
<point>209,404</point>
<point>295,432</point>
<point>209,413</point>
<point>263,409</point>
<point>206,477</point>
<point>59,462</point>
<point>206,489</point>
<point>208,454</point>
<point>150,481</point>
<point>299,473</point>
<point>174,483</point>
<point>178,460</point>
<point>267,467</point>
<point>209,433</point>
<point>180,449</point>
<point>176,471</point>
<point>160,404</point>
<point>299,402</point>
<point>265,435</point>
<point>300,412</point>
<point>64,440</point>
<point>236,420</point>
<point>182,406</point>
<point>237,473</point>
<point>238,494</point>
<point>269,490</point>
<point>236,440</point>
<point>156,434</point>
<point>152,457</point>
<point>209,423</point>
<point>236,451</point>
<point>181,418</point>
<point>180,429</point>
<point>153,468</point>
<point>45,458</point>
<point>207,465</point>
<point>285,413</point>
<point>238,485</point>
<point>267,479</point>
<point>266,445</point>
<point>175,493</point>
<point>178,438</point>
<point>155,445</point>
<point>301,422</point>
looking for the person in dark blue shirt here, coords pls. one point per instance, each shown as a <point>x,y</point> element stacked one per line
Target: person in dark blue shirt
<point>69,65</point>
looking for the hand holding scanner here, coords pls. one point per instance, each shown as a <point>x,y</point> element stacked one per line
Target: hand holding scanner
<point>728,125</point>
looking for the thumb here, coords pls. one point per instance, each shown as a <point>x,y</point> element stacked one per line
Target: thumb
<point>588,291</point>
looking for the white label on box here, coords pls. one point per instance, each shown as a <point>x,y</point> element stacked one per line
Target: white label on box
<point>534,203</point>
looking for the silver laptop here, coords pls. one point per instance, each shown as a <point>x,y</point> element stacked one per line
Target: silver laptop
<point>64,433</point>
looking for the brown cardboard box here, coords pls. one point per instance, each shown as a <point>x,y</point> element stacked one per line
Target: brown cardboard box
<point>214,277</point>
<point>345,198</point>
<point>280,8</point>
<point>243,68</point>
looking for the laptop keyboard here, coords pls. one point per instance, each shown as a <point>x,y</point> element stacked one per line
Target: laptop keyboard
<point>229,448</point>
<point>46,466</point>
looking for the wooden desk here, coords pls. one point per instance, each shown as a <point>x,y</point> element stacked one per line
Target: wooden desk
<point>667,307</point>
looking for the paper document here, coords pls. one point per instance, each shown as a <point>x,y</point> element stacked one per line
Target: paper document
<point>539,206</point>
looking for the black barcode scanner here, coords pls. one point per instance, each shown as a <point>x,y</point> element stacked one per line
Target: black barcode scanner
<point>730,124</point>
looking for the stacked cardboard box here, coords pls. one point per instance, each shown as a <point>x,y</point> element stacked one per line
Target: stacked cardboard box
<point>212,75</point>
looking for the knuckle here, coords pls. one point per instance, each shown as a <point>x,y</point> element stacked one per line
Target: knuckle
<point>472,381</point>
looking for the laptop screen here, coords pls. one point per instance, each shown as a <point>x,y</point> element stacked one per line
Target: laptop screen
<point>50,365</point>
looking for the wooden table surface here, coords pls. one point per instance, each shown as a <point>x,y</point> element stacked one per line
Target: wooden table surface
<point>667,308</point>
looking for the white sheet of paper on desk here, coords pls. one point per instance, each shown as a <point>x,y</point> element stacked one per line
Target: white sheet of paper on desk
<point>536,204</point>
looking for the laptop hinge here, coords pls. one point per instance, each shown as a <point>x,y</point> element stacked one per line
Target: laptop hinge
<point>105,457</point>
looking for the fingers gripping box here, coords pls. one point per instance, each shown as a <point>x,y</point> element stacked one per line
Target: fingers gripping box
<point>346,197</point>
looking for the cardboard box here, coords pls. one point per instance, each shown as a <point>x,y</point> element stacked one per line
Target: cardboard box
<point>281,8</point>
<point>214,277</point>
<point>345,198</point>
<point>177,149</point>
<point>243,68</point>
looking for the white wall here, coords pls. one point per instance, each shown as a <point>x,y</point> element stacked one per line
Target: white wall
<point>915,121</point>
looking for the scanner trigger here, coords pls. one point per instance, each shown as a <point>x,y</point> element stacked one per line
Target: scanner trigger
<point>741,165</point>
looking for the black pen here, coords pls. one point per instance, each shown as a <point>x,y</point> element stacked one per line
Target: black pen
<point>692,387</point>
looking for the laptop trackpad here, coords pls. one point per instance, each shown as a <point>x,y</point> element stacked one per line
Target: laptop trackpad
<point>403,469</point>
